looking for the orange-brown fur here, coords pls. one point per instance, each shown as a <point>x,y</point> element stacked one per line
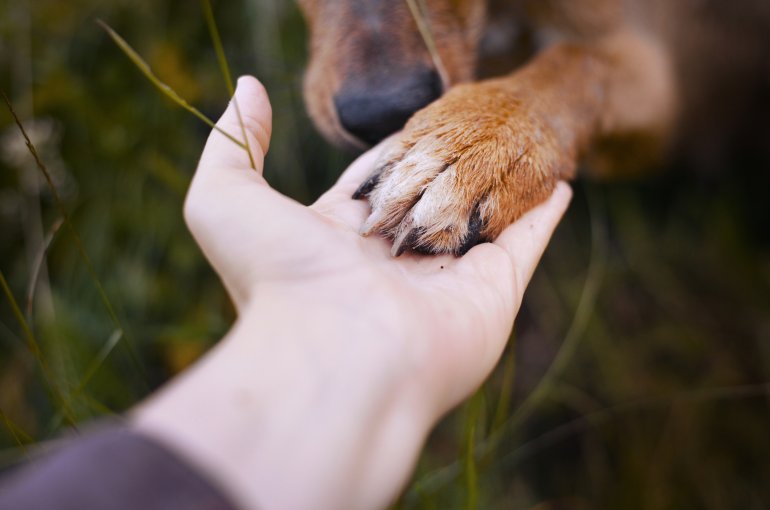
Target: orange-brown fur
<point>605,88</point>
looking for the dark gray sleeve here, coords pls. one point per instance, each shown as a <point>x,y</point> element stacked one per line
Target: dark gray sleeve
<point>114,469</point>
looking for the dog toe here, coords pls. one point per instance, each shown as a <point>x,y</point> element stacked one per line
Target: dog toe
<point>397,188</point>
<point>444,219</point>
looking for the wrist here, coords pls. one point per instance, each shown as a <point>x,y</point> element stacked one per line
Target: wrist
<point>291,412</point>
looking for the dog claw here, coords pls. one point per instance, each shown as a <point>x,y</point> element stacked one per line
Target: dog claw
<point>371,224</point>
<point>405,241</point>
<point>367,186</point>
<point>473,237</point>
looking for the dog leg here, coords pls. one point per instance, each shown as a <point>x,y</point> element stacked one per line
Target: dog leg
<point>472,162</point>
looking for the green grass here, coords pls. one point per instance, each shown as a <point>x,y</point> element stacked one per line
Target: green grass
<point>167,90</point>
<point>648,320</point>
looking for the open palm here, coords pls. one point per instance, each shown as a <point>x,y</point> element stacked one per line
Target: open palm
<point>442,320</point>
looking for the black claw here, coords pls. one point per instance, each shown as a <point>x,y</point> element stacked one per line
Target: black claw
<point>408,243</point>
<point>475,226</point>
<point>367,186</point>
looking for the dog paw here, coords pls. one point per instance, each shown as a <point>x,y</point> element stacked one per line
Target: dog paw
<point>462,170</point>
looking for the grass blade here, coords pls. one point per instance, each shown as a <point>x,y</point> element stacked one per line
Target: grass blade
<point>419,12</point>
<point>509,379</point>
<point>38,264</point>
<point>21,438</point>
<point>208,13</point>
<point>97,362</point>
<point>93,367</point>
<point>32,344</point>
<point>37,353</point>
<point>103,409</point>
<point>470,467</point>
<point>75,235</point>
<point>601,416</point>
<point>164,88</point>
<point>579,324</point>
<point>217,41</point>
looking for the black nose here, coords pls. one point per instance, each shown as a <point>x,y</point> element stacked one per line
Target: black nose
<point>373,112</point>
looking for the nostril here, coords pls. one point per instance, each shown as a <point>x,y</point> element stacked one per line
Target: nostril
<point>374,112</point>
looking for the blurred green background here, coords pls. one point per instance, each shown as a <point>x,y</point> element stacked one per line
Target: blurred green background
<point>653,298</point>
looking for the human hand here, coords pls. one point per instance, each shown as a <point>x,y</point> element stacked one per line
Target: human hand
<point>343,357</point>
<point>263,244</point>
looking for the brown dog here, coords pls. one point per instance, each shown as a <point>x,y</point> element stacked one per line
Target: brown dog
<point>610,83</point>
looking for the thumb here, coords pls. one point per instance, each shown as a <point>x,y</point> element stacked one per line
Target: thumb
<point>248,120</point>
<point>225,167</point>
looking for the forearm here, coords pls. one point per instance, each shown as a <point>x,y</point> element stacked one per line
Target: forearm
<point>341,434</point>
